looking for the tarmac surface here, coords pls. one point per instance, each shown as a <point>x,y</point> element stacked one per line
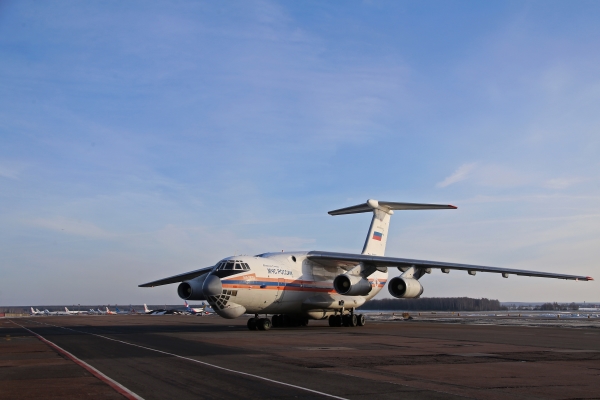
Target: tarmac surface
<point>184,357</point>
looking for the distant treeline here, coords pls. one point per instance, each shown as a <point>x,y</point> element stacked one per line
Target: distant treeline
<point>434,304</point>
<point>558,307</point>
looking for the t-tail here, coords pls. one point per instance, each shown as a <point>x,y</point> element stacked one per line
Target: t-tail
<point>382,211</point>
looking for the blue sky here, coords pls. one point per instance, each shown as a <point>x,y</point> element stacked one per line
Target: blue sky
<point>144,139</point>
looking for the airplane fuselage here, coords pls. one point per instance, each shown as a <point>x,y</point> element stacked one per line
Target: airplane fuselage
<point>283,283</point>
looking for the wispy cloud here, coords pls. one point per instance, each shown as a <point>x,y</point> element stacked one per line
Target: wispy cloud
<point>73,227</point>
<point>8,172</point>
<point>459,175</point>
<point>562,183</point>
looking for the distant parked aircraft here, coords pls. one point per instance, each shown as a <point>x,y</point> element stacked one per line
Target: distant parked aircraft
<point>195,310</point>
<point>75,312</point>
<point>46,312</point>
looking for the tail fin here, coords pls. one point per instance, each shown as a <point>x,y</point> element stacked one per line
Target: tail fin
<point>33,312</point>
<point>382,211</point>
<point>146,308</point>
<point>67,310</point>
<point>186,304</point>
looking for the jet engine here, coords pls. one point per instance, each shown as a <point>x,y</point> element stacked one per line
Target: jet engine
<point>407,288</point>
<point>192,289</point>
<point>351,285</point>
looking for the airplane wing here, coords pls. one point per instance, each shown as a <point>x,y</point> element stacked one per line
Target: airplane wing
<point>345,260</point>
<point>178,278</point>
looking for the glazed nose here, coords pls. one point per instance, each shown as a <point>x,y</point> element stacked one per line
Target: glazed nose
<point>212,286</point>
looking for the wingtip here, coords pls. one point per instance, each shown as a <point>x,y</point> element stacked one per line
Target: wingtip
<point>589,278</point>
<point>453,207</point>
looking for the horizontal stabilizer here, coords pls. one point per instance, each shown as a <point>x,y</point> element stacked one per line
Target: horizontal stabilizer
<point>371,205</point>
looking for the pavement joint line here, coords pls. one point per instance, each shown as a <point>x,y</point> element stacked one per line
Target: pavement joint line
<point>127,393</point>
<point>197,361</point>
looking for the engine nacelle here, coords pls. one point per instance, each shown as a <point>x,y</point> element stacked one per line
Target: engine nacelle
<point>351,285</point>
<point>192,289</point>
<point>405,288</point>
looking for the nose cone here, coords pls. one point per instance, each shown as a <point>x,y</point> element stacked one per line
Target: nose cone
<point>212,286</point>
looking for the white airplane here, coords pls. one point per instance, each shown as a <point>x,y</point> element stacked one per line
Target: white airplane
<point>296,286</point>
<point>75,312</point>
<point>195,310</point>
<point>36,312</point>
<point>46,312</point>
<point>108,312</point>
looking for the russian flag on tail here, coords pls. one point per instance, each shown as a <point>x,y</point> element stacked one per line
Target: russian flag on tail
<point>377,236</point>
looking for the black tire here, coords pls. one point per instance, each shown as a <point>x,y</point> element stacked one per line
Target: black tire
<point>275,321</point>
<point>252,324</point>
<point>352,320</point>
<point>264,324</point>
<point>346,320</point>
<point>332,320</point>
<point>360,320</point>
<point>304,321</point>
<point>339,322</point>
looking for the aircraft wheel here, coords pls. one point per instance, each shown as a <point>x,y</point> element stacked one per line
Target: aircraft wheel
<point>275,321</point>
<point>332,320</point>
<point>352,320</point>
<point>339,321</point>
<point>346,320</point>
<point>304,321</point>
<point>264,324</point>
<point>360,320</point>
<point>252,324</point>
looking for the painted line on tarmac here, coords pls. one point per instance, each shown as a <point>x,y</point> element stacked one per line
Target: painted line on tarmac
<point>109,381</point>
<point>200,362</point>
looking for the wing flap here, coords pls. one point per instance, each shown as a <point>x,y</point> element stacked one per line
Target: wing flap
<point>330,258</point>
<point>178,278</point>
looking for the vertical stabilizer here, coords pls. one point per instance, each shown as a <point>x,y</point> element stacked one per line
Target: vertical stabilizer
<point>378,231</point>
<point>382,211</point>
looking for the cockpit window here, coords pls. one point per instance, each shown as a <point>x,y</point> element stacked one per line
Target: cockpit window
<point>237,266</point>
<point>246,266</point>
<point>229,265</point>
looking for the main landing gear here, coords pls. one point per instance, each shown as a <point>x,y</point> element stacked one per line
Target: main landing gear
<point>347,320</point>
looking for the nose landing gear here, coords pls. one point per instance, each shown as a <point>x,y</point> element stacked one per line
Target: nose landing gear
<point>261,324</point>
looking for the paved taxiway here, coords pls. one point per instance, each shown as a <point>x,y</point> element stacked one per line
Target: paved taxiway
<point>158,357</point>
